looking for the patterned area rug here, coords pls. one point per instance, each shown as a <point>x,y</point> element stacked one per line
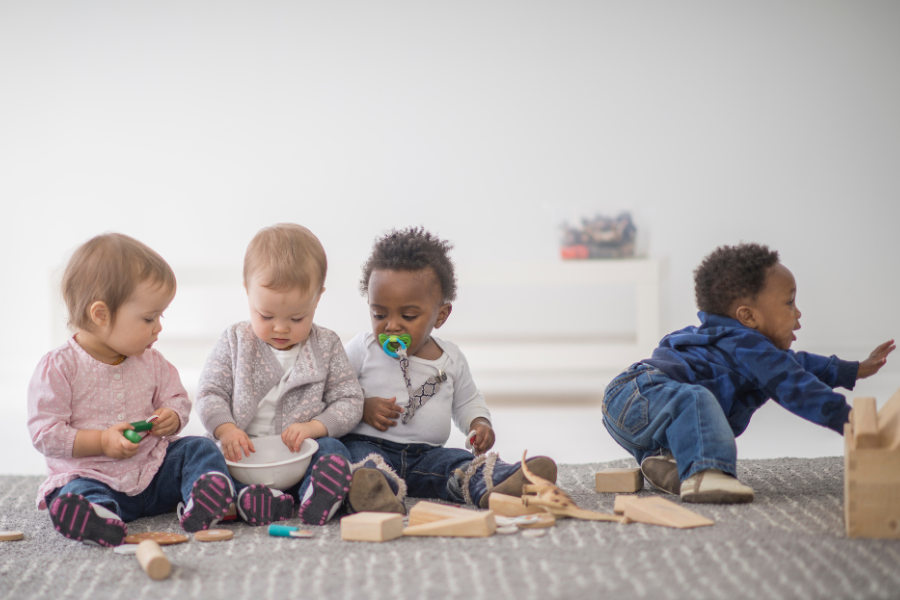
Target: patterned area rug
<point>789,543</point>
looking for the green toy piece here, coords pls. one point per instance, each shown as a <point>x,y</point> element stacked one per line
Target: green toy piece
<point>132,434</point>
<point>142,426</point>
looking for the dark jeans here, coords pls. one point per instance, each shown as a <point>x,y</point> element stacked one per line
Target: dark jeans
<point>646,411</point>
<point>428,470</point>
<point>186,460</point>
<point>327,445</point>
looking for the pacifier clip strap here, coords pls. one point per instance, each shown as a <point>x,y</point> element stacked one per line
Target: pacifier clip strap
<point>420,397</point>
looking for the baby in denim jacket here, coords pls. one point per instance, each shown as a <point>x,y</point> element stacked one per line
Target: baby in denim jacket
<point>679,411</point>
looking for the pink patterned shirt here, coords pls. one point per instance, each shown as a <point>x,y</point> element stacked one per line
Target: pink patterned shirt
<point>71,390</point>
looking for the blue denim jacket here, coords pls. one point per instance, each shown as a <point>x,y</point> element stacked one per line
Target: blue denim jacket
<point>743,369</point>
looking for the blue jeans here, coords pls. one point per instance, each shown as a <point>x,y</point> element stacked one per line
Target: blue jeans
<point>647,412</point>
<point>427,470</point>
<point>186,460</point>
<point>327,445</point>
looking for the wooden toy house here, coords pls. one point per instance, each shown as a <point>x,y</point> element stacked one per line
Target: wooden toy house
<point>872,469</point>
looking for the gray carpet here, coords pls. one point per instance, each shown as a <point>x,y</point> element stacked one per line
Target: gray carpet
<point>789,543</point>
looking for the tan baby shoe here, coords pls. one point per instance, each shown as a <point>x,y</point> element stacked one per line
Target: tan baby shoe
<point>715,487</point>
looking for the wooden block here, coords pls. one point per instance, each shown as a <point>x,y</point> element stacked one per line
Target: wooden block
<point>510,506</point>
<point>11,536</point>
<point>871,489</point>
<point>622,500</point>
<point>477,524</point>
<point>889,423</point>
<point>659,511</point>
<point>371,527</point>
<point>619,480</point>
<point>153,560</point>
<point>872,470</point>
<point>865,422</point>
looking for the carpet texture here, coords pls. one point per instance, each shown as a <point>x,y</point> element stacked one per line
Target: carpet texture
<point>789,543</point>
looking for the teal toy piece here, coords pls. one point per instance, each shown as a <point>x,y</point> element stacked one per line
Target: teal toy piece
<point>132,434</point>
<point>288,531</point>
<point>391,343</point>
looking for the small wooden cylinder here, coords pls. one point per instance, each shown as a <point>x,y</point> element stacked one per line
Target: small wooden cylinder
<point>153,560</point>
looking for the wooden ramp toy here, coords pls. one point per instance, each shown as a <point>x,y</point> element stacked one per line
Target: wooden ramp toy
<point>654,510</point>
<point>872,469</point>
<point>619,480</point>
<point>433,519</point>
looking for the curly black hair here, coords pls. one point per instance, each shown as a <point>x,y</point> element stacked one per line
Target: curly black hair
<point>412,249</point>
<point>729,273</point>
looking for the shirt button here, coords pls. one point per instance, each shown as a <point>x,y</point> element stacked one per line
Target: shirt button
<point>117,376</point>
<point>120,395</point>
<point>120,416</point>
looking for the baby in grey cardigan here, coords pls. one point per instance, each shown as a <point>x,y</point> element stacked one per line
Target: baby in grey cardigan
<point>280,374</point>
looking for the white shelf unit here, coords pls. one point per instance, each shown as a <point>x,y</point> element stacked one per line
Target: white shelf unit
<point>209,299</point>
<point>563,365</point>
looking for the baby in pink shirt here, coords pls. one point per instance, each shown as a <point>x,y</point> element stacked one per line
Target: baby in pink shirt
<point>84,394</point>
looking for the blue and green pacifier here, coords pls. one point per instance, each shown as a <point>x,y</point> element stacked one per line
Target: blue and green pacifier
<point>391,343</point>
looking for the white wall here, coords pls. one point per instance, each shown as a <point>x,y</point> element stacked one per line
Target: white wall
<point>192,125</point>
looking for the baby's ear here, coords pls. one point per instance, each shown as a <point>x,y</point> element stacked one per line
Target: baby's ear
<point>443,314</point>
<point>99,313</point>
<point>746,316</point>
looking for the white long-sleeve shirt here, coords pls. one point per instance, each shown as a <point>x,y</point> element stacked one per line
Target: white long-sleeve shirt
<point>458,399</point>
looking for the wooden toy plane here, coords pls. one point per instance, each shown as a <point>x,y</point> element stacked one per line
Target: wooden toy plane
<point>547,495</point>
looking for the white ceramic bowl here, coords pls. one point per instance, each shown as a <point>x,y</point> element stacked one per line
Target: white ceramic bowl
<point>273,464</point>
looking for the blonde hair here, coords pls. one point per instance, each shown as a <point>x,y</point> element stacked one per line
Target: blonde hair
<point>108,268</point>
<point>289,256</point>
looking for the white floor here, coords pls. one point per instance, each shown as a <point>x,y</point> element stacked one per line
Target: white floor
<point>568,433</point>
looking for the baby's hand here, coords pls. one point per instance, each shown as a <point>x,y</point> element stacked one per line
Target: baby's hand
<point>484,435</point>
<point>167,423</point>
<point>294,435</point>
<point>233,440</point>
<point>876,360</point>
<point>381,413</point>
<point>115,445</point>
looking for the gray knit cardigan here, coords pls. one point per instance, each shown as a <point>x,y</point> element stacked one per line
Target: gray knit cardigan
<point>241,370</point>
